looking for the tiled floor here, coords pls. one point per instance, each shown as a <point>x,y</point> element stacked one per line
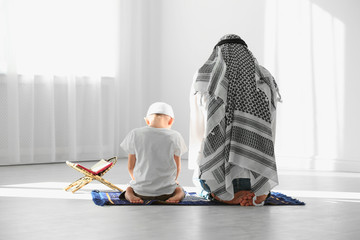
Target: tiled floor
<point>34,206</point>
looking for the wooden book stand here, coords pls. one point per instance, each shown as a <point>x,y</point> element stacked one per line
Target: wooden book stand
<point>95,172</point>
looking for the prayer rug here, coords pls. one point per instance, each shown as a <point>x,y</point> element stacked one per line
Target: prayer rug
<point>191,198</point>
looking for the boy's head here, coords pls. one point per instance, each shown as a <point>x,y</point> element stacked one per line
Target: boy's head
<point>160,115</point>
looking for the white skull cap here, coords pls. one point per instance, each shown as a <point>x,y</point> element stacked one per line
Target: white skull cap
<point>160,108</point>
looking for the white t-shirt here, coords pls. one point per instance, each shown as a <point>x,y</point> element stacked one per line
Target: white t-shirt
<point>155,167</point>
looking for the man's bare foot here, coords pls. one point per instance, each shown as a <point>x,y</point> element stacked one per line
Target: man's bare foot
<point>248,200</point>
<point>238,196</point>
<point>130,196</point>
<point>178,196</point>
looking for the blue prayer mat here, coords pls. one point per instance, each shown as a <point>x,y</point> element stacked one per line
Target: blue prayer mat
<point>191,198</point>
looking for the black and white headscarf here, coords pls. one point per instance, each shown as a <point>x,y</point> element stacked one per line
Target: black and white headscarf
<point>239,99</point>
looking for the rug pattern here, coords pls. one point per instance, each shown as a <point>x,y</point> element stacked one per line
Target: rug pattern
<point>112,198</point>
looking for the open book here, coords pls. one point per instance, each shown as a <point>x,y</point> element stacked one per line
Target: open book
<point>97,168</point>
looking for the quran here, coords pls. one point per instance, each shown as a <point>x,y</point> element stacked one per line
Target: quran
<point>97,168</point>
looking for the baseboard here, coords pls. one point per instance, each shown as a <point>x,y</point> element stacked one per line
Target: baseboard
<point>316,163</point>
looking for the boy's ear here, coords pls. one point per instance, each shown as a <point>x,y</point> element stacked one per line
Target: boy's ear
<point>147,121</point>
<point>171,121</point>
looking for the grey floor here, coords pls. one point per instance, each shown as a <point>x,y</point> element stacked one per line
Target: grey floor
<point>34,206</point>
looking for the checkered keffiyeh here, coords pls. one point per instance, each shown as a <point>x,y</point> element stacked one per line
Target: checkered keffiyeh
<point>240,119</point>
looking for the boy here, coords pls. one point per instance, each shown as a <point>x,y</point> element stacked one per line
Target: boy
<point>154,158</point>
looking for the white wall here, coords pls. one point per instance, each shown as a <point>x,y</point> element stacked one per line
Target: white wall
<point>189,31</point>
<point>309,46</point>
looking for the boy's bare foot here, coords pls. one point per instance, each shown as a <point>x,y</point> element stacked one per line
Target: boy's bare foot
<point>178,196</point>
<point>130,196</point>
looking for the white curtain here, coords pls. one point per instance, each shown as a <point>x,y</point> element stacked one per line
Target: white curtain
<point>66,71</point>
<point>49,119</point>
